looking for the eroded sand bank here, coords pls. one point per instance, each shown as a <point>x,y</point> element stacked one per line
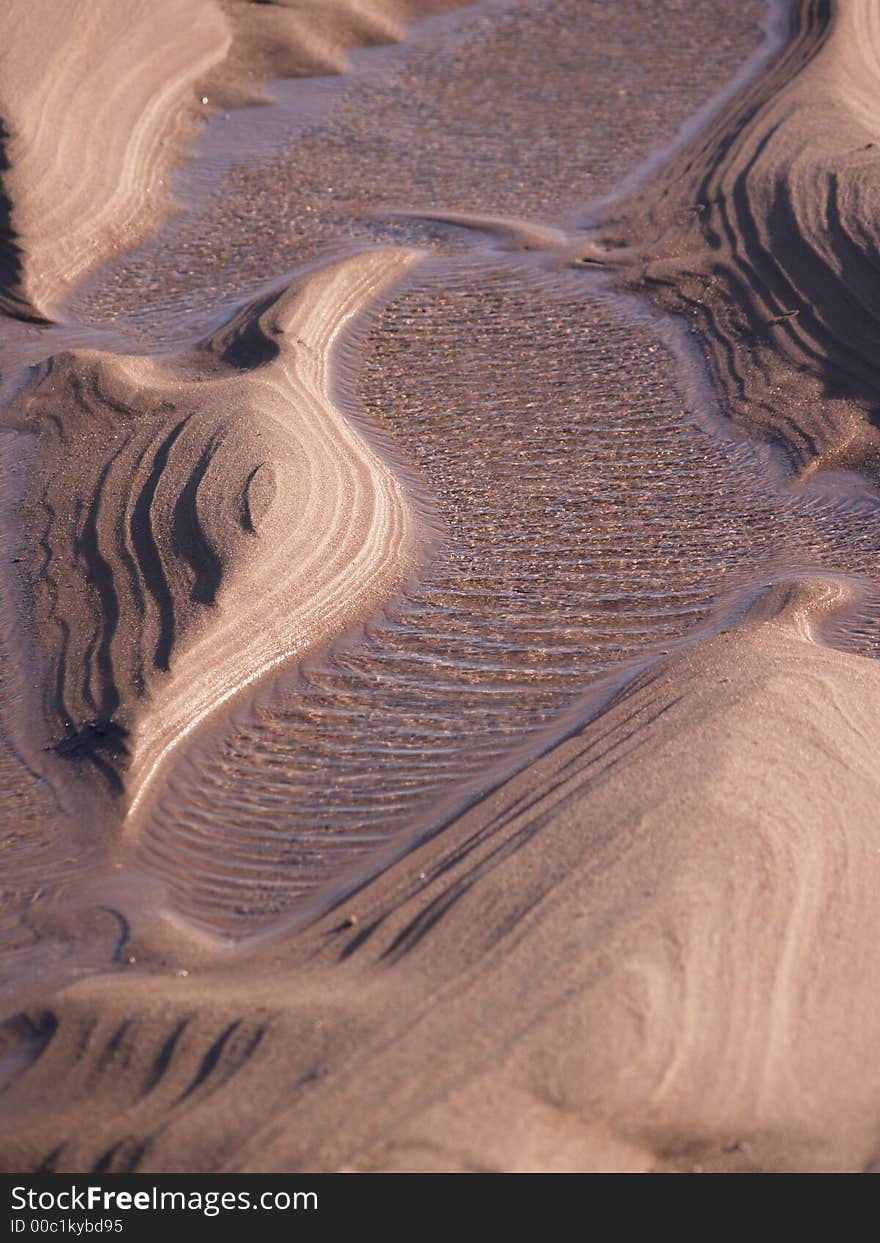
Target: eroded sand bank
<point>564,858</point>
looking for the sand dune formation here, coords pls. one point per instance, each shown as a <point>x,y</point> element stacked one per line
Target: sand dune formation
<point>211,532</point>
<point>635,931</point>
<point>72,202</point>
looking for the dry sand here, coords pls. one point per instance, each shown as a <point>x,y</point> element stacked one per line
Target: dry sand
<point>200,520</point>
<point>88,145</point>
<point>764,234</point>
<point>652,949</point>
<point>564,855</point>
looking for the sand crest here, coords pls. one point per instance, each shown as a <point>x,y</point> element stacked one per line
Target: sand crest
<point>198,520</point>
<point>763,231</point>
<point>643,952</point>
<point>98,99</point>
<point>615,907</point>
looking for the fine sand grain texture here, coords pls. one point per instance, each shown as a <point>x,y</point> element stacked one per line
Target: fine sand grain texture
<point>765,233</point>
<point>98,97</point>
<point>199,520</point>
<point>652,950</point>
<point>440,617</point>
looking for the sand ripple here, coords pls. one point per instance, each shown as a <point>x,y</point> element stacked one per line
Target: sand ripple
<point>199,520</point>
<point>764,232</point>
<point>588,521</point>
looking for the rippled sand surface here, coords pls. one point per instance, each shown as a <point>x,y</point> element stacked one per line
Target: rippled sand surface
<point>441,601</point>
<point>586,520</point>
<point>513,618</point>
<point>491,109</point>
<point>461,676</point>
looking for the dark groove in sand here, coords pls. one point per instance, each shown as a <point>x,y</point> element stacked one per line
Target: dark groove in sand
<point>633,954</point>
<point>156,585</point>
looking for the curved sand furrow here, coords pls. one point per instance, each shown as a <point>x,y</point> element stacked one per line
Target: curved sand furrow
<point>92,98</point>
<point>765,231</point>
<point>98,98</point>
<point>652,949</point>
<point>587,522</point>
<point>195,524</point>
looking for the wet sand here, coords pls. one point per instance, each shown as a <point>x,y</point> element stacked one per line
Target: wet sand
<point>441,607</point>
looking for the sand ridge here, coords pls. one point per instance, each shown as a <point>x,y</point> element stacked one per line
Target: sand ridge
<point>547,984</point>
<point>199,520</point>
<point>99,99</point>
<point>650,949</point>
<point>763,232</point>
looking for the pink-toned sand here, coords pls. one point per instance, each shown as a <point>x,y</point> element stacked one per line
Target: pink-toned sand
<point>595,883</point>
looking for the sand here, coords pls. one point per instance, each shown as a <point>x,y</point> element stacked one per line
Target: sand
<point>89,146</point>
<point>440,696</point>
<point>233,518</point>
<point>764,234</point>
<point>650,950</point>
